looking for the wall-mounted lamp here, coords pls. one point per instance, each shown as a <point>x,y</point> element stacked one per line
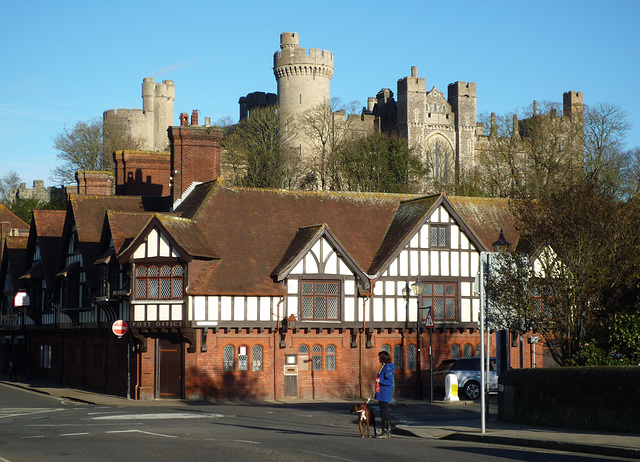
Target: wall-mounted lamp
<point>501,245</point>
<point>288,323</point>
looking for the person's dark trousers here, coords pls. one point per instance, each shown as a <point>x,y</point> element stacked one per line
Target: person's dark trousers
<point>386,419</point>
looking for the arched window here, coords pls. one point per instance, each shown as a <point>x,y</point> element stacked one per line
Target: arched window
<point>435,107</point>
<point>228,358</point>
<point>330,358</point>
<point>397,356</point>
<point>303,358</point>
<point>467,351</point>
<point>386,348</point>
<point>256,358</point>
<point>478,348</point>
<point>455,351</point>
<point>411,357</point>
<point>243,358</point>
<point>316,358</point>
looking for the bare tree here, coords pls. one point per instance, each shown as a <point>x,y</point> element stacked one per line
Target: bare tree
<point>9,182</point>
<point>85,147</point>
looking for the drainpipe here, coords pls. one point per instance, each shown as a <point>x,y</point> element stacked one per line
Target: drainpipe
<point>362,332</point>
<point>275,349</point>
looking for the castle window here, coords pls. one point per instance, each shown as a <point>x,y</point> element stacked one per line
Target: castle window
<point>455,351</point>
<point>435,107</point>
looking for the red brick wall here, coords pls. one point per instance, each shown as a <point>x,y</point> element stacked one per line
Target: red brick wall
<point>143,173</point>
<point>195,156</point>
<point>95,182</point>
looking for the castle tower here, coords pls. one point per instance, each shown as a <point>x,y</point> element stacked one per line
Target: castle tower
<point>303,79</point>
<point>149,124</point>
<point>464,103</point>
<point>573,105</point>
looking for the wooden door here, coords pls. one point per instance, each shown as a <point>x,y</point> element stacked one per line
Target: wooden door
<point>169,369</point>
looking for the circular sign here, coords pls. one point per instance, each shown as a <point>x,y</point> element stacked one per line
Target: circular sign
<point>119,328</point>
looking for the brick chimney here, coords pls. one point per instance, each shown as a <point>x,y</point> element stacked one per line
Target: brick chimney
<point>98,183</point>
<point>195,155</point>
<point>143,173</point>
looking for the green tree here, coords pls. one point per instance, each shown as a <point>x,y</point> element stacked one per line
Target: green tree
<point>584,252</point>
<point>256,154</point>
<point>379,163</point>
<point>89,146</point>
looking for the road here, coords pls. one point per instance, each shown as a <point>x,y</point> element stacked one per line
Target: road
<point>38,427</point>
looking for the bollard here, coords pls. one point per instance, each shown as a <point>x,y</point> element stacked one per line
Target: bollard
<point>451,388</point>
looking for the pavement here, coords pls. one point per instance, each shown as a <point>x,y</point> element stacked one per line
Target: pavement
<point>625,445</point>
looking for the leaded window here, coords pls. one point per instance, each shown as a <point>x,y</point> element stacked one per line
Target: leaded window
<point>467,351</point>
<point>386,348</point>
<point>303,358</point>
<point>455,351</point>
<point>316,358</point>
<point>411,358</point>
<point>397,356</point>
<point>228,358</point>
<point>159,281</point>
<point>438,236</point>
<point>256,358</point>
<point>330,358</point>
<point>243,358</point>
<point>320,300</point>
<point>441,298</point>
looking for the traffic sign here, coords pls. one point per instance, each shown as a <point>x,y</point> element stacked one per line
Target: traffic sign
<point>21,299</point>
<point>119,328</point>
<point>428,319</point>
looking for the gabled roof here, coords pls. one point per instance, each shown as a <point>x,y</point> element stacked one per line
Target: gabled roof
<point>183,233</point>
<point>88,213</point>
<point>15,221</point>
<point>15,250</point>
<point>123,227</point>
<point>486,217</point>
<point>46,230</point>
<point>253,229</point>
<point>304,240</point>
<point>408,217</point>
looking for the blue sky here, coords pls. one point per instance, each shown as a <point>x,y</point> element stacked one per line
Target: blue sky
<point>68,61</point>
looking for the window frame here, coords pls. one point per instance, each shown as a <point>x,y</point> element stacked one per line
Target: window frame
<point>447,236</point>
<point>429,294</point>
<point>314,296</point>
<point>159,279</point>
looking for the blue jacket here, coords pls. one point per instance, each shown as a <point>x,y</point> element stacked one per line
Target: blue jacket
<point>386,383</point>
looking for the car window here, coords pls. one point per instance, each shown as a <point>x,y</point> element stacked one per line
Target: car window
<point>445,366</point>
<point>472,364</point>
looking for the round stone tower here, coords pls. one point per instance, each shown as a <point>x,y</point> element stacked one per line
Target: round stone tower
<point>304,79</point>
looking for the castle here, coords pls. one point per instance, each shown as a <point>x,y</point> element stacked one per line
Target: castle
<point>443,129</point>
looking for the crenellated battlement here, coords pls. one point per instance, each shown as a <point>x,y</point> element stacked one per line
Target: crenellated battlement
<point>149,124</point>
<point>297,55</point>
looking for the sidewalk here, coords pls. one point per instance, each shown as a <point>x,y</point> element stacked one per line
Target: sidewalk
<point>571,440</point>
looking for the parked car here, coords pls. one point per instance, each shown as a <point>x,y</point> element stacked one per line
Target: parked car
<point>467,370</point>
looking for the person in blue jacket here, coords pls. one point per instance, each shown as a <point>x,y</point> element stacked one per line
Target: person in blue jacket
<point>384,391</point>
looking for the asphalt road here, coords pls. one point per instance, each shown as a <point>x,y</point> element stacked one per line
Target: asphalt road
<point>36,427</point>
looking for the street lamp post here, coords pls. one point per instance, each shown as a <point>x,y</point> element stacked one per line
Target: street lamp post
<point>418,287</point>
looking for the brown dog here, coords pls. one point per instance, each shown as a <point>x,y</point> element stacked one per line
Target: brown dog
<point>366,417</point>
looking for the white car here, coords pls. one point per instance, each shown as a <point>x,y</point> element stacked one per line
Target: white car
<point>467,370</point>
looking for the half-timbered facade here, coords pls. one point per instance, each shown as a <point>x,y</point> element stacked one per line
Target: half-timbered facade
<point>256,293</point>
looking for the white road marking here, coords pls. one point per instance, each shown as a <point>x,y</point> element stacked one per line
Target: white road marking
<point>245,441</point>
<point>19,412</point>
<point>141,431</point>
<point>73,434</point>
<point>161,416</point>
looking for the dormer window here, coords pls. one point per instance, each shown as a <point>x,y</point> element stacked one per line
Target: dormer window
<point>159,282</point>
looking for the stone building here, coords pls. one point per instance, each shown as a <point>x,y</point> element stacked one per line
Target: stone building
<point>149,124</point>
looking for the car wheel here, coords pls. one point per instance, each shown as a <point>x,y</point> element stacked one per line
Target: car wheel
<point>471,389</point>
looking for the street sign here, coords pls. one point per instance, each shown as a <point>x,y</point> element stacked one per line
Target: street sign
<point>428,319</point>
<point>119,328</point>
<point>21,299</point>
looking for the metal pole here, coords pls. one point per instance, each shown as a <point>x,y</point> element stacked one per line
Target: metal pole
<point>482,353</point>
<point>418,368</point>
<point>430,365</point>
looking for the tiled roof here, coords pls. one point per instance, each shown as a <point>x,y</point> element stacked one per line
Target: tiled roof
<point>486,217</point>
<point>408,215</point>
<point>15,220</point>
<point>252,229</point>
<point>47,227</point>
<point>124,226</point>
